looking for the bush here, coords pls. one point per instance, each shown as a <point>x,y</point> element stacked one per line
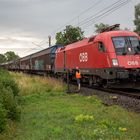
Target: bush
<point>10,83</point>
<point>2,118</point>
<point>7,81</point>
<point>8,103</point>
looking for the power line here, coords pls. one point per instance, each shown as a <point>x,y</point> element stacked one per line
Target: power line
<point>90,20</point>
<point>83,12</point>
<point>77,17</point>
<point>102,12</point>
<point>94,20</point>
<point>99,15</point>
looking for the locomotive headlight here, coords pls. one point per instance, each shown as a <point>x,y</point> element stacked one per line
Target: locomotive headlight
<point>115,62</point>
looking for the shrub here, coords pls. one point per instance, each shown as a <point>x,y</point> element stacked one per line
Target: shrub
<point>6,81</point>
<point>2,118</point>
<point>10,104</point>
<point>10,83</point>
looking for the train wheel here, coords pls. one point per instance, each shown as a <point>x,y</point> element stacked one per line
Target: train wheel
<point>104,85</point>
<point>90,81</point>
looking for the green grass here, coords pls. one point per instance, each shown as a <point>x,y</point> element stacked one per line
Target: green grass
<point>54,115</point>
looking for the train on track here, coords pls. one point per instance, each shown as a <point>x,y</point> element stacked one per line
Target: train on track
<point>109,59</point>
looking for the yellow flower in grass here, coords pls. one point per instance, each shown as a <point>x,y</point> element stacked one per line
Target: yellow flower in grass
<point>83,118</point>
<point>122,129</point>
<point>89,97</point>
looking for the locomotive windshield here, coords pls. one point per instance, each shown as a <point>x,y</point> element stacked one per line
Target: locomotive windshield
<point>126,45</point>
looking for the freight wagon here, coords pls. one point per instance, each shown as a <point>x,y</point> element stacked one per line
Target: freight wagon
<point>41,62</point>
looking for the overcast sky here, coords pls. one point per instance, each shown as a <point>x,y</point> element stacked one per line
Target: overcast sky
<point>27,23</point>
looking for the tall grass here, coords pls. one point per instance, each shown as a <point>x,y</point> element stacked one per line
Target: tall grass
<point>37,85</point>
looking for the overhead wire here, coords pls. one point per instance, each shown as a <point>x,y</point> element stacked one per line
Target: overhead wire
<point>95,21</point>
<point>96,17</point>
<point>54,32</point>
<point>102,12</point>
<point>110,11</point>
<point>105,14</point>
<point>83,12</point>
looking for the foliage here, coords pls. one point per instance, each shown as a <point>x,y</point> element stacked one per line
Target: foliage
<point>11,56</point>
<point>8,56</point>
<point>2,58</point>
<point>127,29</point>
<point>2,118</point>
<point>137,18</point>
<point>69,35</point>
<point>7,82</point>
<point>8,102</point>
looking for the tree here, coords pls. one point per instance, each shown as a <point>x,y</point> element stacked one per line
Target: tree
<point>11,56</point>
<point>137,18</point>
<point>100,27</point>
<point>2,58</point>
<point>126,29</point>
<point>69,35</point>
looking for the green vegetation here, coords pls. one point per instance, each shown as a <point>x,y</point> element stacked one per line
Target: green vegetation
<point>8,56</point>
<point>48,113</point>
<point>69,35</point>
<point>8,99</point>
<point>137,18</point>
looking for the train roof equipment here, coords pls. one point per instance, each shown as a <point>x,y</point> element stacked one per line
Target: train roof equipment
<point>110,28</point>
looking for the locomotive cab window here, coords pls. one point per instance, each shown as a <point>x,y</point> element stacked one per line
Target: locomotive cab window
<point>126,45</point>
<point>101,47</point>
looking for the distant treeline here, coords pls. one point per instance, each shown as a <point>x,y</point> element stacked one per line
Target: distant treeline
<point>8,56</point>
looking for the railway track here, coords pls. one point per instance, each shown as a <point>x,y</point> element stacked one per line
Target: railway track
<point>128,98</point>
<point>133,93</point>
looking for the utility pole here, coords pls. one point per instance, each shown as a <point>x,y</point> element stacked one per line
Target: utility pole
<point>49,37</point>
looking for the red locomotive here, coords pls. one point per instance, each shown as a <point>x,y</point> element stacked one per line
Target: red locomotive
<point>105,59</point>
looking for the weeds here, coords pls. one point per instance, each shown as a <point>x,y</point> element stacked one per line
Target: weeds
<point>37,85</point>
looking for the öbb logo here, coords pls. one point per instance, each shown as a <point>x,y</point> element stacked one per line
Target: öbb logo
<point>130,63</point>
<point>83,57</point>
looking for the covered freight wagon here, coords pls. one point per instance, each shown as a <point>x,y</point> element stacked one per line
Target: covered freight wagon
<point>41,62</point>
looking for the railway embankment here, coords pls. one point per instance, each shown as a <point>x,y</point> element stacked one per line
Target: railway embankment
<point>47,112</point>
